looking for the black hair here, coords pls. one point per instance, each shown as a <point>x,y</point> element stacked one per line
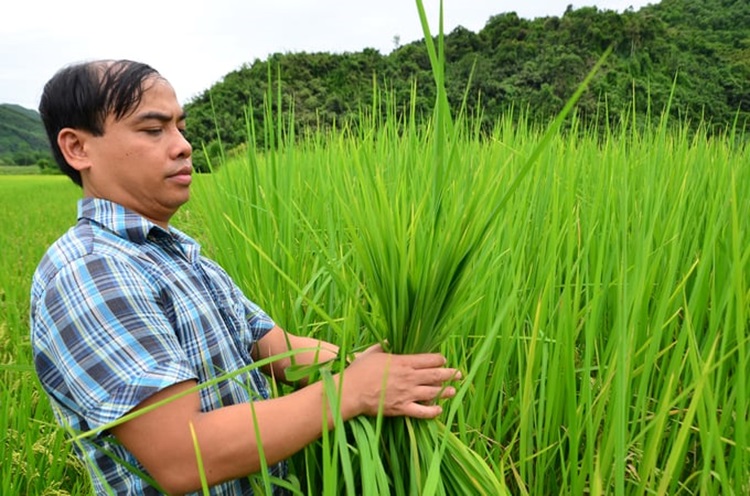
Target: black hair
<point>81,96</point>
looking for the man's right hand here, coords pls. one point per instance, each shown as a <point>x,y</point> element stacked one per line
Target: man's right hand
<point>400,385</point>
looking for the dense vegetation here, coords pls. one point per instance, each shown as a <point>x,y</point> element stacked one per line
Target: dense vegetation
<point>692,56</point>
<point>606,352</point>
<point>22,137</point>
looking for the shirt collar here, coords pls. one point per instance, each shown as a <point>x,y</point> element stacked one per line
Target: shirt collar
<point>126,223</point>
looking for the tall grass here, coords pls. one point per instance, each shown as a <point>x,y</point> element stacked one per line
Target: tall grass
<point>620,268</point>
<point>34,455</point>
<point>615,279</point>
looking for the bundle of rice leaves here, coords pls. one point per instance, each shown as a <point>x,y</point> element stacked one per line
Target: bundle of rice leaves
<point>417,242</point>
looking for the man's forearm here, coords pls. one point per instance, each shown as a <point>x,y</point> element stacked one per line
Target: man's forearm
<point>227,438</point>
<point>310,351</point>
<point>285,426</point>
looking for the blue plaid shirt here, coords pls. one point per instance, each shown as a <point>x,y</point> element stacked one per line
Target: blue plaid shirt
<point>120,309</point>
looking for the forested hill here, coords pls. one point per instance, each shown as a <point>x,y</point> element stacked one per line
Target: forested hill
<point>698,51</point>
<point>22,137</point>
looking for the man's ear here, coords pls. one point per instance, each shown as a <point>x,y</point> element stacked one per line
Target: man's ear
<point>72,143</point>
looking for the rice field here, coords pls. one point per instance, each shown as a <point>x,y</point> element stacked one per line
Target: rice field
<point>593,287</point>
<point>34,454</point>
<point>603,321</point>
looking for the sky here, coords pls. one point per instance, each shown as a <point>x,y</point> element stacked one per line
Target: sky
<point>194,43</point>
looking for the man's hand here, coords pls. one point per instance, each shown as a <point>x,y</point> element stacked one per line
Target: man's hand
<point>405,385</point>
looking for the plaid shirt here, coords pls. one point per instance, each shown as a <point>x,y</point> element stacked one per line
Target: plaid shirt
<point>120,309</point>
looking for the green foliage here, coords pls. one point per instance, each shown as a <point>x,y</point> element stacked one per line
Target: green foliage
<point>22,137</point>
<point>36,458</point>
<point>693,56</point>
<point>616,273</point>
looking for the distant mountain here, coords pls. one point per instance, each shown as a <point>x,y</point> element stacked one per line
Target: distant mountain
<point>22,110</point>
<point>688,57</point>
<point>22,137</point>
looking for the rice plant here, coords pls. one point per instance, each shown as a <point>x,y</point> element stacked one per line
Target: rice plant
<point>602,326</point>
<point>34,455</point>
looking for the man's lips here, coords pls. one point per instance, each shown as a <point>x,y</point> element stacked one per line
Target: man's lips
<point>183,175</point>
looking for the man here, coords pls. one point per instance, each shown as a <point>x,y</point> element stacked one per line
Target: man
<point>125,313</point>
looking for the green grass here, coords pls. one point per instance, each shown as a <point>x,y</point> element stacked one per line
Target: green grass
<point>614,285</point>
<point>17,170</point>
<point>36,458</point>
<point>616,277</point>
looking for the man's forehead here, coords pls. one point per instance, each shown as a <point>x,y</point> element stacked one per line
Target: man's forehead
<point>157,101</point>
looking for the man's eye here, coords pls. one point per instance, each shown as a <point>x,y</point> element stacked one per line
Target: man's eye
<point>153,132</point>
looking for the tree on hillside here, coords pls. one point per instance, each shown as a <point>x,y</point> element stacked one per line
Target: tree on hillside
<point>693,55</point>
<point>22,137</point>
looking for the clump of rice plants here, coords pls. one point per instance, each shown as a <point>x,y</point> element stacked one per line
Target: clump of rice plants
<point>602,320</point>
<point>611,298</point>
<point>419,218</point>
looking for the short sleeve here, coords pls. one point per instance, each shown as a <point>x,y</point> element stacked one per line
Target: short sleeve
<point>103,338</point>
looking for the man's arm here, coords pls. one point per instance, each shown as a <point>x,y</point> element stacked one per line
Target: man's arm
<point>162,440</point>
<point>278,341</point>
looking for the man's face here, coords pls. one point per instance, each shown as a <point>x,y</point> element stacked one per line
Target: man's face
<point>143,160</point>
